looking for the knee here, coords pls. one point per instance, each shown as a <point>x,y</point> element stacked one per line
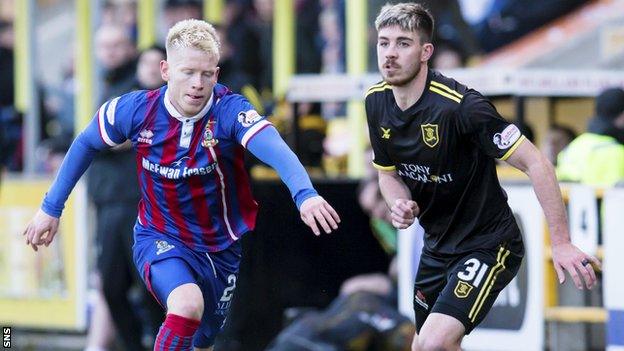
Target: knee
<point>434,343</point>
<point>186,301</point>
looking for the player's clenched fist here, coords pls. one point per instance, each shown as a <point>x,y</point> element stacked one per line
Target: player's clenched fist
<point>403,213</point>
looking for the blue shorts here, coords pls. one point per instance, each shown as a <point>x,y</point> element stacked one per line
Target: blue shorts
<point>165,263</point>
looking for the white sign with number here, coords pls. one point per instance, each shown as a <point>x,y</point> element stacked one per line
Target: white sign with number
<point>583,214</point>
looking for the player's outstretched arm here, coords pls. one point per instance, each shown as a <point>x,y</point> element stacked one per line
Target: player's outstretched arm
<point>403,210</point>
<point>566,256</point>
<point>270,148</point>
<point>41,230</point>
<point>44,225</point>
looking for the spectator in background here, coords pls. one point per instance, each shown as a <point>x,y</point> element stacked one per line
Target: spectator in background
<point>116,210</point>
<point>447,56</point>
<point>148,75</point>
<point>10,121</point>
<point>116,52</point>
<point>502,21</point>
<point>363,317</point>
<point>230,73</point>
<point>6,90</point>
<point>178,10</point>
<point>597,156</point>
<point>556,139</point>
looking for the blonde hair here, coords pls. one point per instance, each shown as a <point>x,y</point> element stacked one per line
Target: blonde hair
<point>196,34</point>
<point>409,17</point>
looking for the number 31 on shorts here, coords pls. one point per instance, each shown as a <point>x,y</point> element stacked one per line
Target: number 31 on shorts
<point>474,271</point>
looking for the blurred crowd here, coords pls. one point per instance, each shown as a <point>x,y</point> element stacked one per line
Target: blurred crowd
<point>466,30</point>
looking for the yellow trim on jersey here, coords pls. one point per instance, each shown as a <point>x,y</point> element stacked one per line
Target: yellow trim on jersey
<point>489,282</point>
<point>377,89</point>
<point>384,168</point>
<point>448,90</point>
<point>445,94</point>
<point>513,148</point>
<point>378,85</point>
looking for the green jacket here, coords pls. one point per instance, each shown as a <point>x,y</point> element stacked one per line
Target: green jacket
<point>592,159</point>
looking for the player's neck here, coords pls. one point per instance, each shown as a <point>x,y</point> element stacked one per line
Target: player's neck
<point>408,94</point>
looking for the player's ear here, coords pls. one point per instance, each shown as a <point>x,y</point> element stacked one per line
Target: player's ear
<point>427,52</point>
<point>164,70</point>
<point>217,71</point>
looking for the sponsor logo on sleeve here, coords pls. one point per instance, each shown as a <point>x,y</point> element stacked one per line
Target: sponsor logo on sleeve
<point>247,118</point>
<point>507,137</point>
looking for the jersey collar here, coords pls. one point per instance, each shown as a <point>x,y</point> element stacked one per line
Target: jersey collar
<point>177,115</point>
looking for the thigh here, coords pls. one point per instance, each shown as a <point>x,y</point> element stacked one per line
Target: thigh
<point>218,288</point>
<point>166,275</point>
<point>474,282</point>
<point>163,264</point>
<point>430,280</point>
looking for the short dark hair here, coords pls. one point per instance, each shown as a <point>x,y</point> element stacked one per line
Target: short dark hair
<point>409,17</point>
<point>610,103</point>
<point>154,47</point>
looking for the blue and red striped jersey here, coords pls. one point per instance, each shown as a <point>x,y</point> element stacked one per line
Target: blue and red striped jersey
<point>190,169</point>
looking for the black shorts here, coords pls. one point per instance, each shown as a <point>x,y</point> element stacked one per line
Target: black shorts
<point>466,286</point>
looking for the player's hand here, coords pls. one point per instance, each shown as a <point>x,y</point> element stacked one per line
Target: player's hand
<point>568,257</point>
<point>403,213</point>
<point>41,230</point>
<point>316,209</point>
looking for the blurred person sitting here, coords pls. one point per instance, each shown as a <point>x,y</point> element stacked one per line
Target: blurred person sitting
<point>557,138</point>
<point>597,157</point>
<point>363,317</point>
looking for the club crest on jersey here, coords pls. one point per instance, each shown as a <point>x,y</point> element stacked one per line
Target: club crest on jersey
<point>430,134</point>
<point>462,290</point>
<point>162,246</point>
<point>209,140</point>
<point>247,118</point>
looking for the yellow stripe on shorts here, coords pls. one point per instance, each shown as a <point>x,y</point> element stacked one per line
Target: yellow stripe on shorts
<point>489,282</point>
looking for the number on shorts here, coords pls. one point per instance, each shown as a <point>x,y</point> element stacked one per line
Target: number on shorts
<point>227,292</point>
<point>473,267</point>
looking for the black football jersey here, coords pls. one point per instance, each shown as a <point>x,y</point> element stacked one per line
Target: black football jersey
<point>444,148</point>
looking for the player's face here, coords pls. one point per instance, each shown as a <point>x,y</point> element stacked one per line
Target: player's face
<point>191,74</point>
<point>401,55</point>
